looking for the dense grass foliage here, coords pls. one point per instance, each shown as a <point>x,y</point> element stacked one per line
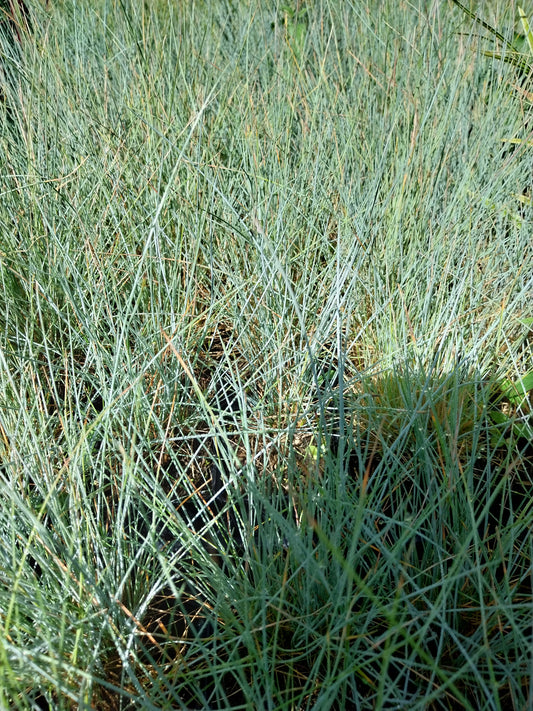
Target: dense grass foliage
<point>265,358</point>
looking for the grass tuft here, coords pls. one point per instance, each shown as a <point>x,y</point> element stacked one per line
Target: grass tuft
<point>265,358</point>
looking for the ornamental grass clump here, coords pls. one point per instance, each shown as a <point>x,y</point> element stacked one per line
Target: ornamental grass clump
<point>233,471</point>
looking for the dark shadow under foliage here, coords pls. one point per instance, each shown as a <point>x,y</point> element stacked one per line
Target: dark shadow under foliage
<point>399,497</point>
<point>391,559</point>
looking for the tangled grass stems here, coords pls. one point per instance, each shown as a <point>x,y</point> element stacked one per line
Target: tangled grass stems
<point>265,361</point>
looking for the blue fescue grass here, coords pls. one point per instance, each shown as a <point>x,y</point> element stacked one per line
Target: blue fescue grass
<point>265,359</point>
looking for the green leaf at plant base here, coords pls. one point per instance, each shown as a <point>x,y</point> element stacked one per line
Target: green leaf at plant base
<point>527,30</point>
<point>517,392</point>
<point>506,430</point>
<point>295,28</point>
<point>512,55</point>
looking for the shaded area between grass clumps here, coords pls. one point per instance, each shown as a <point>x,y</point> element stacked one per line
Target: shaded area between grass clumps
<point>427,513</point>
<point>372,576</point>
